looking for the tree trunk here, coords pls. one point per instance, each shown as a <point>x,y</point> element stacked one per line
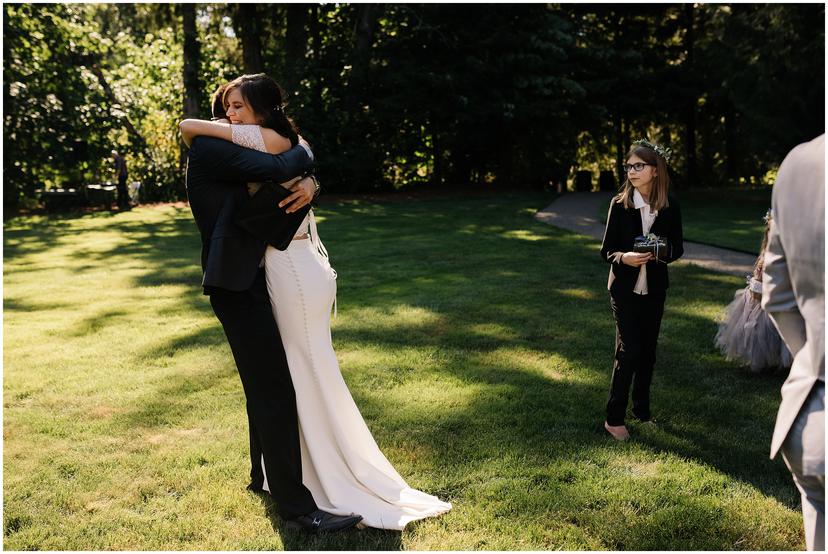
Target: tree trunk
<point>249,30</point>
<point>461,165</point>
<point>192,54</point>
<point>505,170</point>
<point>436,154</point>
<point>618,117</point>
<point>620,151</point>
<point>731,149</point>
<point>706,161</point>
<point>192,84</point>
<point>296,45</point>
<point>625,134</point>
<point>92,63</point>
<point>690,107</point>
<point>364,37</point>
<point>366,22</point>
<point>316,45</point>
<point>113,100</point>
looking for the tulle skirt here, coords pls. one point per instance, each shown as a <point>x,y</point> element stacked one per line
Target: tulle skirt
<point>747,335</point>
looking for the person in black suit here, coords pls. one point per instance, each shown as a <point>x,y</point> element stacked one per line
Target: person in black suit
<point>217,176</point>
<point>638,282</point>
<point>121,172</point>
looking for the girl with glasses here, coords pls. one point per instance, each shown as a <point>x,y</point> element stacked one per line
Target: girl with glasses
<point>638,281</point>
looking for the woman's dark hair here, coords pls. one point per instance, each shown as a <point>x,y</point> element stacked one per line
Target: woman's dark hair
<point>265,98</point>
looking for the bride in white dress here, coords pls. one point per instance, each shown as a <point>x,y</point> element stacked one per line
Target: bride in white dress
<point>342,465</point>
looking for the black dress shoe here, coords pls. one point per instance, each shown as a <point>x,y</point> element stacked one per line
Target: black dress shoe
<point>323,522</point>
<point>254,487</point>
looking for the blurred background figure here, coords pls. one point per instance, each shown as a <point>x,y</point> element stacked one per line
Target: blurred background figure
<point>794,296</point>
<point>121,173</point>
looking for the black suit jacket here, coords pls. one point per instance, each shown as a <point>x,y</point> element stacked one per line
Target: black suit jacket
<point>217,174</point>
<point>623,225</point>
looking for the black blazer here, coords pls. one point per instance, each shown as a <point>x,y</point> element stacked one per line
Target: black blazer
<point>623,225</point>
<point>217,174</point>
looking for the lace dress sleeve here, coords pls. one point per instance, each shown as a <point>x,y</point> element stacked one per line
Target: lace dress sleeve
<point>248,136</point>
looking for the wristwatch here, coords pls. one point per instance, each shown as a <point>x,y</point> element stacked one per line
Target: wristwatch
<point>315,183</point>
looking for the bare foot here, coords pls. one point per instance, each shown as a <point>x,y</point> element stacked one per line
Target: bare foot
<point>618,432</point>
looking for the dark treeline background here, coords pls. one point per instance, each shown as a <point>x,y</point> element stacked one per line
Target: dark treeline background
<point>416,95</point>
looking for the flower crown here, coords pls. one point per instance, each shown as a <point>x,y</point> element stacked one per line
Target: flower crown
<point>660,150</point>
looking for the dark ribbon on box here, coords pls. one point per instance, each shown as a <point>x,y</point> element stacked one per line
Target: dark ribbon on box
<point>655,243</point>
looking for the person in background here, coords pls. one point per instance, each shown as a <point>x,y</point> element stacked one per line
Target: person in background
<point>794,296</point>
<point>121,173</point>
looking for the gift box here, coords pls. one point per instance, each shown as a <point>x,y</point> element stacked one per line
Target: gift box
<point>655,245</point>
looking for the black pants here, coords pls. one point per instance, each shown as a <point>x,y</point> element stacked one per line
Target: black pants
<point>248,322</point>
<point>637,323</point>
<point>123,195</point>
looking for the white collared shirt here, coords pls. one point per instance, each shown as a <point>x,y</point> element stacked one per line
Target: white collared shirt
<point>647,219</point>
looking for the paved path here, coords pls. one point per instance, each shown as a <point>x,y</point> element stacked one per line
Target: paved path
<point>579,212</point>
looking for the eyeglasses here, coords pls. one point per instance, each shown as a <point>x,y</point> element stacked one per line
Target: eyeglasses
<point>636,166</point>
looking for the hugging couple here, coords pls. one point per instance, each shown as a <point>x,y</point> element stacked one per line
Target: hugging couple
<point>309,446</point>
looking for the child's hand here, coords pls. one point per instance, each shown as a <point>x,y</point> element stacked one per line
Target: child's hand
<point>636,259</point>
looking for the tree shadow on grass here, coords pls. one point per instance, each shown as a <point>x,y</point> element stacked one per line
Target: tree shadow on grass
<point>172,400</point>
<point>158,253</point>
<point>154,242</point>
<point>95,322</point>
<point>20,305</point>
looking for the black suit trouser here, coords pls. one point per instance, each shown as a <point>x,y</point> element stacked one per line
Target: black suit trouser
<point>247,318</point>
<point>123,195</point>
<point>637,324</point>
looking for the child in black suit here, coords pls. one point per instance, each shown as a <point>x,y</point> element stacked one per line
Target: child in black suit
<point>638,281</point>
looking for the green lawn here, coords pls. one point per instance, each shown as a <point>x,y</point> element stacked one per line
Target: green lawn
<point>476,341</point>
<point>729,218</point>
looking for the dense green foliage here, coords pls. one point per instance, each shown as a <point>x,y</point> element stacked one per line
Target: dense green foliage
<point>478,348</point>
<point>402,95</point>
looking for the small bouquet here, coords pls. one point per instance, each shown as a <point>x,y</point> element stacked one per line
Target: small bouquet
<point>655,245</point>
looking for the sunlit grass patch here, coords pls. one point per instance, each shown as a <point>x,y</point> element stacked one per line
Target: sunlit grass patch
<point>579,293</point>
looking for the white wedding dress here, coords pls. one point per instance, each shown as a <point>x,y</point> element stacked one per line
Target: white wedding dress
<point>342,465</point>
